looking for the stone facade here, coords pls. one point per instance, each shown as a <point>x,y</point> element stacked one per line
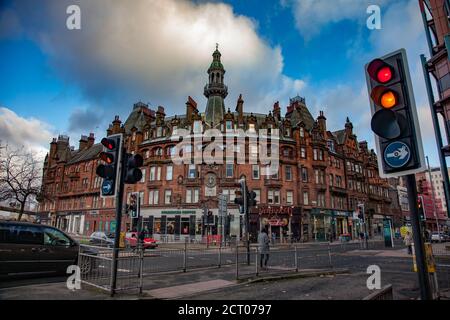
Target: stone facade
<point>322,176</point>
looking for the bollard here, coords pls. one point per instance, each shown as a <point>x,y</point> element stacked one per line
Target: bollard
<point>220,256</point>
<point>296,258</point>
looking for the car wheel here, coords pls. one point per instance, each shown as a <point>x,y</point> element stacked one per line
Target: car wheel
<point>86,265</point>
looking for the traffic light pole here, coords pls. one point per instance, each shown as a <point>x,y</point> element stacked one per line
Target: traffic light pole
<point>424,283</point>
<point>119,203</point>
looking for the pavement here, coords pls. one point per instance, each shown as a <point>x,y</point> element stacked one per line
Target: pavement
<point>222,283</point>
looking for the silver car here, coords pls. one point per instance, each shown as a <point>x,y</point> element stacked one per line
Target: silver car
<point>102,239</point>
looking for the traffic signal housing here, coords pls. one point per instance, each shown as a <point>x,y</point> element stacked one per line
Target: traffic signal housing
<point>135,206</point>
<point>132,164</point>
<point>251,199</point>
<point>109,171</point>
<point>394,116</point>
<point>420,208</point>
<point>241,197</point>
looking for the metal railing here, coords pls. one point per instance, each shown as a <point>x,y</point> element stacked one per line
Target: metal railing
<point>136,264</point>
<point>96,267</point>
<point>385,293</point>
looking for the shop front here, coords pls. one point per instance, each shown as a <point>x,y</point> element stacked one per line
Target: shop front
<point>321,222</point>
<point>179,225</point>
<point>343,224</point>
<point>283,222</point>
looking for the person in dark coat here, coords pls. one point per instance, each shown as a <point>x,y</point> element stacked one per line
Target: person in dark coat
<point>263,244</point>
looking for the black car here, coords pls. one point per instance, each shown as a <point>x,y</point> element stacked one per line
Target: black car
<point>27,248</point>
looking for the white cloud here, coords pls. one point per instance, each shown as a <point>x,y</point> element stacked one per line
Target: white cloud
<point>30,133</point>
<point>158,51</point>
<point>313,15</point>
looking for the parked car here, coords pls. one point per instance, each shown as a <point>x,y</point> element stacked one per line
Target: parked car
<point>102,239</point>
<point>131,239</point>
<point>33,249</point>
<point>438,237</point>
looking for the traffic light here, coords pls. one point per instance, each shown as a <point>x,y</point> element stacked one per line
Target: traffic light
<point>210,218</point>
<point>394,116</point>
<point>421,209</point>
<point>360,213</point>
<point>111,156</point>
<point>420,186</point>
<point>251,199</point>
<point>241,197</point>
<point>132,172</point>
<point>135,206</point>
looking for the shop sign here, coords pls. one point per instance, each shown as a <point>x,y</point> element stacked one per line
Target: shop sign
<point>282,210</point>
<point>341,213</point>
<point>274,222</point>
<point>177,212</point>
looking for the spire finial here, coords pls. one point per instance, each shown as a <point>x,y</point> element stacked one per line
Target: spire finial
<point>217,46</point>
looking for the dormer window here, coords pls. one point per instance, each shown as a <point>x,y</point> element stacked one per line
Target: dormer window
<point>251,127</point>
<point>146,135</point>
<point>174,130</point>
<point>302,132</point>
<point>287,132</point>
<point>159,132</point>
<point>133,136</point>
<point>330,144</point>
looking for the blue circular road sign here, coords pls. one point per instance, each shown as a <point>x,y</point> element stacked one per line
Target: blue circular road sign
<point>106,187</point>
<point>397,154</point>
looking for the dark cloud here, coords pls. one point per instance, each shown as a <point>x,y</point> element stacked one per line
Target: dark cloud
<point>86,120</point>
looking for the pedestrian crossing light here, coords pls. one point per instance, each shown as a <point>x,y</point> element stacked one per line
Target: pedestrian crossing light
<point>109,171</point>
<point>394,116</point>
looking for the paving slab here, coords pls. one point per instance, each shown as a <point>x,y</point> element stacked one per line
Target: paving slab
<point>187,289</point>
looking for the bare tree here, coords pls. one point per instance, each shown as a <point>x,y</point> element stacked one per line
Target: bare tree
<point>20,176</point>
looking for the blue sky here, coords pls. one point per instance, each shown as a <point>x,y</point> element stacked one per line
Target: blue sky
<point>157,51</point>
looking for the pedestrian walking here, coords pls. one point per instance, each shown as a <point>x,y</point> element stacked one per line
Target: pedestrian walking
<point>408,242</point>
<point>263,243</point>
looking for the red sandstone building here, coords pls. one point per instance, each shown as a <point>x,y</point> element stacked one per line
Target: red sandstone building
<point>322,175</point>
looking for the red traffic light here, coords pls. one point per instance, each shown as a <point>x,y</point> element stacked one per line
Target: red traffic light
<point>107,157</point>
<point>384,75</point>
<point>108,143</point>
<point>380,71</point>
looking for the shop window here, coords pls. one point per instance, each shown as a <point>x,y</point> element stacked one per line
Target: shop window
<point>185,226</point>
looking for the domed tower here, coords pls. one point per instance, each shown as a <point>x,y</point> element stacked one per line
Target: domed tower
<point>215,91</point>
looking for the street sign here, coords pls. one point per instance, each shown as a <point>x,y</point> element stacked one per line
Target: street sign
<point>397,154</point>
